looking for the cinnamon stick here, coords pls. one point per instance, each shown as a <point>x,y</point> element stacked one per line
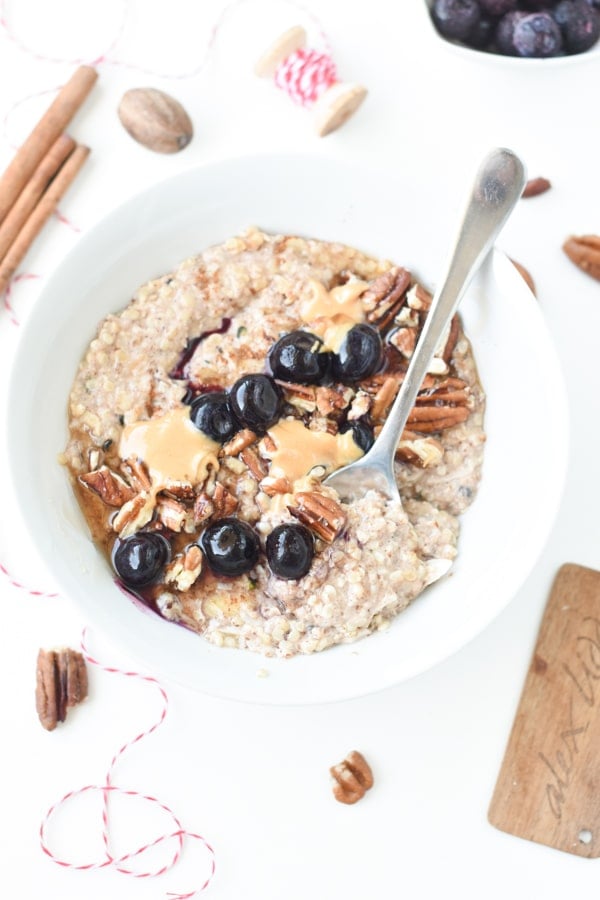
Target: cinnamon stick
<point>31,193</point>
<point>51,125</point>
<point>42,212</point>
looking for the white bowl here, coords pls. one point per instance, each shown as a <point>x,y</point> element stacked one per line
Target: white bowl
<point>502,534</point>
<point>519,62</point>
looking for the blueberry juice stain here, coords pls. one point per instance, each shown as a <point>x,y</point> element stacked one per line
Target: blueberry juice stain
<point>177,372</point>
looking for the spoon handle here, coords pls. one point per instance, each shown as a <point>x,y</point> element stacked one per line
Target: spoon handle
<point>498,186</point>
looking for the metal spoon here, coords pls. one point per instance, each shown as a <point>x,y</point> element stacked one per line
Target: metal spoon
<point>496,190</point>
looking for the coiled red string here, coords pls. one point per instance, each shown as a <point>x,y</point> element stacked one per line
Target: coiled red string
<point>178,833</point>
<point>305,75</point>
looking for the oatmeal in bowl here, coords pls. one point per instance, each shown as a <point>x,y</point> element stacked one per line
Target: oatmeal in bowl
<point>206,414</point>
<point>83,391</point>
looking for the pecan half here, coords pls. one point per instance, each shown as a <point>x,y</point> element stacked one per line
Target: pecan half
<point>584,251</point>
<point>536,186</point>
<point>61,682</point>
<point>353,778</point>
<point>110,487</point>
<point>440,407</point>
<point>385,296</point>
<point>319,513</point>
<point>223,501</point>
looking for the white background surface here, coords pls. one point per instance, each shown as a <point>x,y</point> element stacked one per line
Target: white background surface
<point>255,780</point>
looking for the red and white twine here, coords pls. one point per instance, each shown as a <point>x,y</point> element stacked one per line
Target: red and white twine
<point>305,75</point>
<point>177,834</point>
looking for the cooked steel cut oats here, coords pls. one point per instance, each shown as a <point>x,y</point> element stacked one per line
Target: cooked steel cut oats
<point>188,491</point>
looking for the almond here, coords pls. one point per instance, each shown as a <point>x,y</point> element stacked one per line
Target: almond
<point>155,120</point>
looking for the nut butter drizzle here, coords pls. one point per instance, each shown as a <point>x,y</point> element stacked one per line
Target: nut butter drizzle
<point>331,314</point>
<point>299,450</point>
<point>172,448</point>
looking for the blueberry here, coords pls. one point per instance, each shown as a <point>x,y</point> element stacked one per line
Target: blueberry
<point>290,551</point>
<point>497,7</point>
<point>359,356</point>
<point>298,357</point>
<point>256,400</point>
<point>505,32</point>
<point>579,23</point>
<point>362,434</point>
<point>231,547</point>
<point>455,18</point>
<point>537,35</point>
<point>481,36</point>
<point>139,558</point>
<point>212,414</point>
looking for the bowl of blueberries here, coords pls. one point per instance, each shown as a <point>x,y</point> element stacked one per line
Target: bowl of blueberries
<point>557,30</point>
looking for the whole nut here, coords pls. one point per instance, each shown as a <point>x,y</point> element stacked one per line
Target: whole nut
<point>155,120</point>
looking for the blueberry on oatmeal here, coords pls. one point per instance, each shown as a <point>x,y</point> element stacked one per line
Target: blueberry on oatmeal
<point>231,547</point>
<point>299,357</point>
<point>256,401</point>
<point>212,414</point>
<point>360,354</point>
<point>139,559</point>
<point>290,550</point>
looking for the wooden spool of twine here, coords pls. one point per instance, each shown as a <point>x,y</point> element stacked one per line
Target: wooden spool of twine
<point>309,77</point>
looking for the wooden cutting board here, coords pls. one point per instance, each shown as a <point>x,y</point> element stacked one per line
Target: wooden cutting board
<point>548,789</point>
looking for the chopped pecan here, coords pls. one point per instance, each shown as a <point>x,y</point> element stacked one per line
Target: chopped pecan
<point>536,186</point>
<point>220,505</point>
<point>419,298</point>
<point>384,397</point>
<point>172,514</point>
<point>223,501</point>
<point>61,682</point>
<point>451,340</point>
<point>109,486</point>
<point>255,465</point>
<point>239,442</point>
<point>404,339</point>
<point>185,568</point>
<point>584,251</point>
<point>271,485</point>
<point>204,508</point>
<point>133,515</point>
<point>385,296</point>
<point>329,399</point>
<point>419,451</point>
<point>319,513</point>
<point>302,396</point>
<point>360,406</point>
<point>137,473</point>
<point>353,778</point>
